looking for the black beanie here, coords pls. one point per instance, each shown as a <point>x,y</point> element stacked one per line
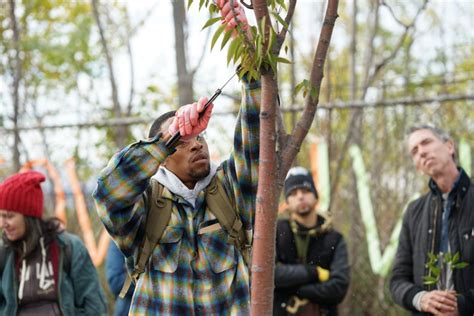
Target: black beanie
<point>297,178</point>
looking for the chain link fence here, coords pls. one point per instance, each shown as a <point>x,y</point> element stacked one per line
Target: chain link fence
<point>392,180</point>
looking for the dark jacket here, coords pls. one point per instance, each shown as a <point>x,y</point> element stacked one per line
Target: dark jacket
<point>79,290</point>
<point>420,235</point>
<point>327,249</point>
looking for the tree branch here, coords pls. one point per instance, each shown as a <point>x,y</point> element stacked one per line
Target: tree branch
<point>128,36</point>
<point>120,135</point>
<point>247,38</point>
<point>282,35</point>
<point>17,75</point>
<point>203,52</point>
<point>316,77</point>
<point>395,51</point>
<point>369,53</point>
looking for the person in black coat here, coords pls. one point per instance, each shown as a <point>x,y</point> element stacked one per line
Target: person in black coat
<point>440,222</point>
<point>312,271</point>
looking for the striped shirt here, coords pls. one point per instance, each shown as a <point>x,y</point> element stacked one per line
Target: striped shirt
<point>188,273</point>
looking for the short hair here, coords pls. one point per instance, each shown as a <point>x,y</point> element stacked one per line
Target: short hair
<point>438,132</point>
<point>156,126</point>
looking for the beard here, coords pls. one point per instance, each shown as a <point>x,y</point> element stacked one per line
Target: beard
<point>198,174</point>
<point>303,212</point>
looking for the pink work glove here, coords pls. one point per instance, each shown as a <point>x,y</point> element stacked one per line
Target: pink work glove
<point>187,120</point>
<point>228,14</point>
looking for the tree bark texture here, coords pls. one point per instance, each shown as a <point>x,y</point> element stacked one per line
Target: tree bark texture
<point>16,86</point>
<point>271,172</point>
<point>185,77</point>
<point>267,204</point>
<point>121,133</point>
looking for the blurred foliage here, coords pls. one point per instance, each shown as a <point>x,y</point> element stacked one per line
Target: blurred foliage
<point>59,44</point>
<point>55,42</point>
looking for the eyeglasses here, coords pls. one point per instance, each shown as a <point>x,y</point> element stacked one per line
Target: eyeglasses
<point>201,138</point>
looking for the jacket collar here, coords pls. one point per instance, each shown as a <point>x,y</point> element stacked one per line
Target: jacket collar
<point>323,225</point>
<point>169,180</point>
<point>461,185</point>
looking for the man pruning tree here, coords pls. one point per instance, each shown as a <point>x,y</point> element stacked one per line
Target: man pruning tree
<point>193,260</point>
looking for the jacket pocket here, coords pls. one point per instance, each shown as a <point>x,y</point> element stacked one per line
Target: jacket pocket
<point>467,245</point>
<point>166,254</point>
<point>219,254</point>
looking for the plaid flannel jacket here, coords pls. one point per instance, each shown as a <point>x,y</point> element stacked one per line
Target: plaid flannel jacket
<point>188,273</point>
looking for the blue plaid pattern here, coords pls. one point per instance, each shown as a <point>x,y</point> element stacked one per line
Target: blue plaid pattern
<point>188,274</point>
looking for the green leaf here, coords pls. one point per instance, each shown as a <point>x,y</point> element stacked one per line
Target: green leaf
<point>460,265</point>
<point>455,258</point>
<point>232,49</point>
<point>211,22</point>
<point>279,19</point>
<point>261,25</point>
<point>238,52</point>
<point>189,3</point>
<point>271,40</point>
<point>218,33</point>
<point>226,38</point>
<point>447,257</point>
<point>213,9</point>
<point>432,256</point>
<point>272,61</point>
<point>283,60</point>
<point>282,4</point>
<point>152,89</point>
<point>429,280</point>
<point>253,74</point>
<point>435,271</point>
<point>314,93</point>
<point>254,31</point>
<point>299,86</point>
<point>258,53</point>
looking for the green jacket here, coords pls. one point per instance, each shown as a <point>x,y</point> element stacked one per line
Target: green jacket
<point>80,292</point>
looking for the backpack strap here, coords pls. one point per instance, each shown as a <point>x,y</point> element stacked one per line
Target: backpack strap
<point>157,218</point>
<point>159,214</point>
<point>220,205</point>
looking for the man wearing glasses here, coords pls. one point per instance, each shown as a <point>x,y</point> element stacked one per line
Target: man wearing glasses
<point>196,267</point>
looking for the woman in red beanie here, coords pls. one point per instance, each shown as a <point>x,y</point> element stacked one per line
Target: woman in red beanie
<point>43,270</point>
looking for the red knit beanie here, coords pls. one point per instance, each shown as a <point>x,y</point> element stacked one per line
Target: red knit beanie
<point>22,193</point>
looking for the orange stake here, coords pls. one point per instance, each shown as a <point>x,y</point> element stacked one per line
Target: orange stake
<point>97,253</point>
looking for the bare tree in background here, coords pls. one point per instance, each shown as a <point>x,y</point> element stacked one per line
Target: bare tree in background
<point>372,68</point>
<point>121,132</point>
<point>185,76</point>
<point>184,71</point>
<point>17,74</point>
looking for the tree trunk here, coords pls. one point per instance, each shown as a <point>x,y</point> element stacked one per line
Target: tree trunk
<point>15,88</point>
<point>272,169</point>
<point>267,204</point>
<point>185,77</point>
<point>121,133</point>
